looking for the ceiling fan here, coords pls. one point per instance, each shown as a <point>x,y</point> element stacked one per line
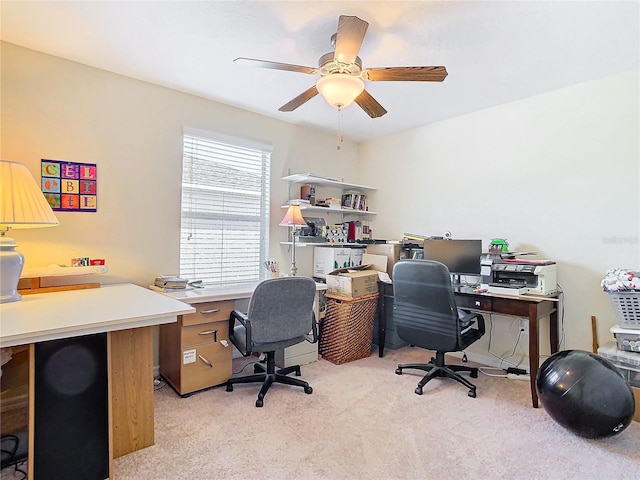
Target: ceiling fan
<point>342,77</point>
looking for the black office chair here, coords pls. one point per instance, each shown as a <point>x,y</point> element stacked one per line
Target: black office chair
<point>425,315</point>
<point>280,315</point>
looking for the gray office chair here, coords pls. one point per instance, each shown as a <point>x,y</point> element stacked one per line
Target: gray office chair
<point>426,315</point>
<point>280,315</point>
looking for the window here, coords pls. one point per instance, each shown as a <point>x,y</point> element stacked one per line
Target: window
<point>224,233</point>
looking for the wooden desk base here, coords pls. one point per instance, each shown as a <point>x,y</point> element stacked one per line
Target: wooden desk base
<point>532,308</point>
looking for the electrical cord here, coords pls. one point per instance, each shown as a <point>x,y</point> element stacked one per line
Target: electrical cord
<point>502,360</point>
<point>561,308</point>
<point>484,371</point>
<point>245,366</point>
<point>158,384</point>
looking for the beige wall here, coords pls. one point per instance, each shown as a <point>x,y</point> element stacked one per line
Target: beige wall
<point>57,109</point>
<point>558,173</point>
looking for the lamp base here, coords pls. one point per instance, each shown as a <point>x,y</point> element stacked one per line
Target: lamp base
<point>11,263</point>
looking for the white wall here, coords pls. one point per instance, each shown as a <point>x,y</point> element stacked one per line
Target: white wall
<point>558,173</point>
<point>57,109</point>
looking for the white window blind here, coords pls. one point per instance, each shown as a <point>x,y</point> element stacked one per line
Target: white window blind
<point>224,233</point>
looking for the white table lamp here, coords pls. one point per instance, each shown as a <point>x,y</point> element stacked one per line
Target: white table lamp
<point>22,205</point>
<point>293,219</point>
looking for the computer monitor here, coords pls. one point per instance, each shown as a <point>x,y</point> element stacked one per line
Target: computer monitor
<point>462,257</point>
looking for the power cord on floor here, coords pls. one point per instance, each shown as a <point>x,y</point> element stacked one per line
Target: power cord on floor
<point>158,384</point>
<point>245,366</point>
<point>485,371</point>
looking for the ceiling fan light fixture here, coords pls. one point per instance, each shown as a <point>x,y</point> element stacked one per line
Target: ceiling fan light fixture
<point>340,89</point>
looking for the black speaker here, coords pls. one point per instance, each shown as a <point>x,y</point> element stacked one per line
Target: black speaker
<point>71,436</point>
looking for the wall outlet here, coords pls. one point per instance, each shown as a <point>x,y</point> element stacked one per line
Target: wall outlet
<point>524,325</point>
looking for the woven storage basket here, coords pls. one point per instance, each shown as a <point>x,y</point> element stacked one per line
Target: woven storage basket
<point>626,306</point>
<point>347,328</point>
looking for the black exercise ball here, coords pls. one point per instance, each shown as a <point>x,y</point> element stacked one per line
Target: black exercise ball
<point>585,393</point>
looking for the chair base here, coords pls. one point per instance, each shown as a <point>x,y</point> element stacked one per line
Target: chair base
<point>268,376</point>
<point>437,368</point>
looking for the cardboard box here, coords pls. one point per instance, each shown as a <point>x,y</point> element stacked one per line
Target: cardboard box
<point>390,250</point>
<point>355,257</point>
<point>328,259</point>
<point>352,283</point>
<point>377,262</point>
<point>636,397</point>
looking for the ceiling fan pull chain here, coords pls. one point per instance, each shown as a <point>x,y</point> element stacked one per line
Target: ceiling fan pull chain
<point>340,137</point>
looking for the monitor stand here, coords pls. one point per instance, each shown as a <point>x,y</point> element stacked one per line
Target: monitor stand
<point>456,280</point>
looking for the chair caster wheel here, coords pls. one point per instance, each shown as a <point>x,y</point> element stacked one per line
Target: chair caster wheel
<point>398,371</point>
<point>472,393</point>
<point>298,373</point>
<point>308,390</point>
<point>259,402</point>
<point>464,358</point>
<point>418,390</point>
<point>229,387</point>
<point>474,374</point>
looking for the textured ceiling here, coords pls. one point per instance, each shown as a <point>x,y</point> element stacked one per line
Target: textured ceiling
<point>495,52</point>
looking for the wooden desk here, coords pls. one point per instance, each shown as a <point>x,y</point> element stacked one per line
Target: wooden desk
<point>211,361</point>
<point>524,306</point>
<point>120,316</point>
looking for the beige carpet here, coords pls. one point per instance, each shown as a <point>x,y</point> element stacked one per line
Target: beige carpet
<point>365,422</point>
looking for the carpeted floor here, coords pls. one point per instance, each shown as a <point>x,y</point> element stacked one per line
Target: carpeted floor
<point>365,422</point>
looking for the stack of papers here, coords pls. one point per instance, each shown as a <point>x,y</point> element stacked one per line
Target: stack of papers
<point>169,282</point>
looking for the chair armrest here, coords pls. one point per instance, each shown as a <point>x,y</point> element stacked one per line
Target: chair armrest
<point>244,321</point>
<point>314,330</point>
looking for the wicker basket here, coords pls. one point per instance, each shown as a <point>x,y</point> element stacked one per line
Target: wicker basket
<point>626,306</point>
<point>347,328</point>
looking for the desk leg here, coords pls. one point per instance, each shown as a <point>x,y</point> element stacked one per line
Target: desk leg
<point>382,322</point>
<point>534,350</point>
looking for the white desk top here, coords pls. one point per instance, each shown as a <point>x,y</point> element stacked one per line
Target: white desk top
<point>200,295</point>
<point>49,316</point>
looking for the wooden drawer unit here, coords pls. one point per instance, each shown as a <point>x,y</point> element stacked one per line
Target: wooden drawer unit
<point>195,352</point>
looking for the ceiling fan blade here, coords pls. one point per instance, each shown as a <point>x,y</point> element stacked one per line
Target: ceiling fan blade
<point>349,37</point>
<point>405,74</point>
<point>299,100</point>
<point>252,62</point>
<point>370,105</point>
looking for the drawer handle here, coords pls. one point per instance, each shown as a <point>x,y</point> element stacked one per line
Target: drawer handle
<point>207,312</point>
<point>206,362</point>
<point>210,332</point>
<point>477,303</point>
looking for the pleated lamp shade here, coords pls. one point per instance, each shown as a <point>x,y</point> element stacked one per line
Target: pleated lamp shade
<point>293,216</point>
<point>22,205</point>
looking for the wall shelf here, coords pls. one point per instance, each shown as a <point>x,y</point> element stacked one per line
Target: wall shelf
<point>323,182</point>
<point>342,211</point>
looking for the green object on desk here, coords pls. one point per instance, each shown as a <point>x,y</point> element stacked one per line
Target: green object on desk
<point>499,245</point>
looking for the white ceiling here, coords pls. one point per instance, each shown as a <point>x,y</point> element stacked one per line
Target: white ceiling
<point>495,51</point>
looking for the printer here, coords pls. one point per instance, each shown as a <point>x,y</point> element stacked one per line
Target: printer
<point>537,276</point>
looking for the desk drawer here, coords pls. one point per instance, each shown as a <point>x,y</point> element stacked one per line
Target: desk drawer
<point>211,332</point>
<point>474,302</point>
<point>209,312</point>
<point>207,365</point>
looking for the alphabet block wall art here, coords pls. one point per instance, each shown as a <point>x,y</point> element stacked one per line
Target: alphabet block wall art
<point>70,186</point>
